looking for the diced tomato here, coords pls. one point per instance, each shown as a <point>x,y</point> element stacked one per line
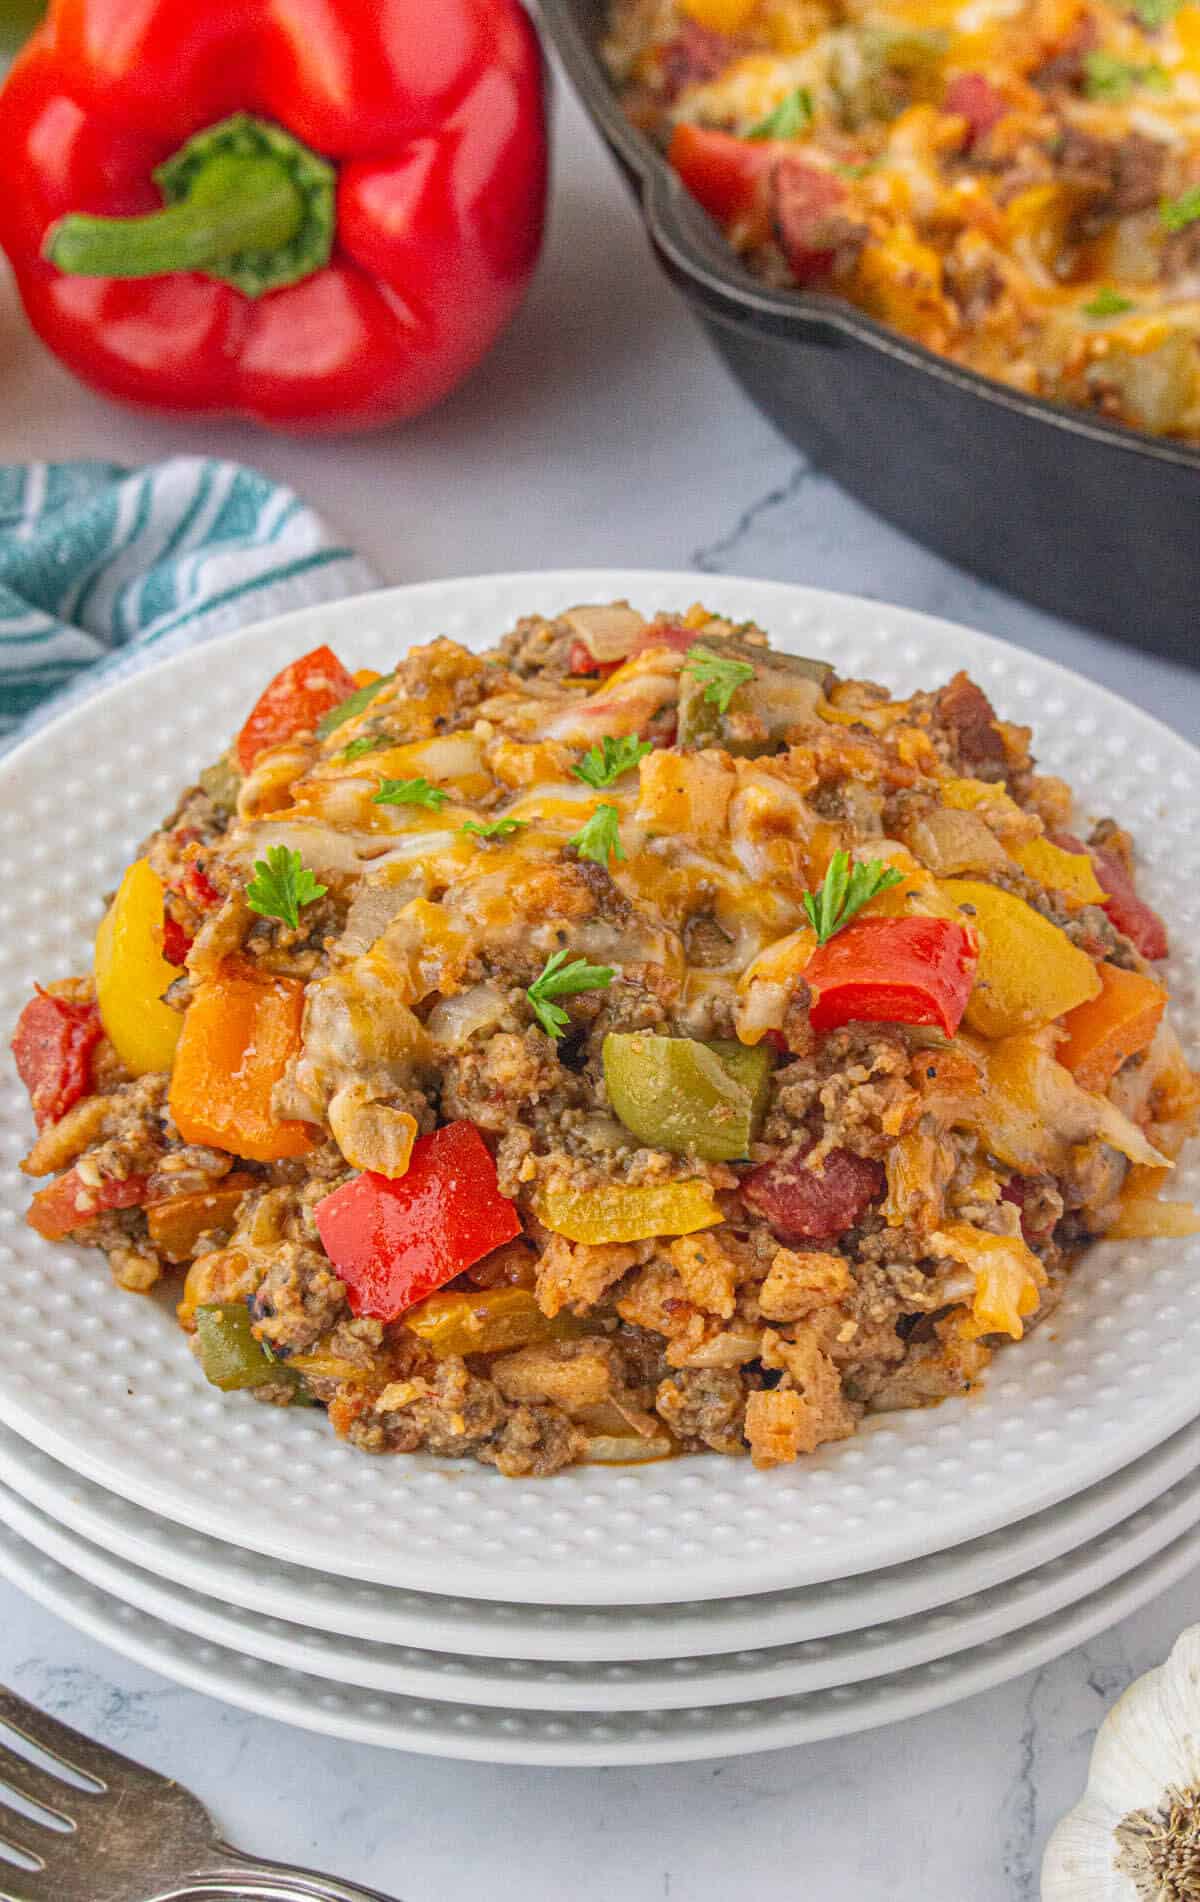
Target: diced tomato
<point>1020,1191</point>
<point>176,943</point>
<point>53,1045</point>
<point>727,175</point>
<point>972,96</point>
<point>69,1204</point>
<point>801,1205</point>
<point>806,198</point>
<point>198,886</point>
<point>913,970</point>
<point>293,703</point>
<point>394,1242</point>
<point>581,660</point>
<point>1131,915</point>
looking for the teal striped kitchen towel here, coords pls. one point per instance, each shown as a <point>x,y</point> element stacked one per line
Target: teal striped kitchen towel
<point>104,569</point>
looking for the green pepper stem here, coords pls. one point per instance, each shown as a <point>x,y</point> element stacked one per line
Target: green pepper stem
<point>237,204</point>
<point>245,202</point>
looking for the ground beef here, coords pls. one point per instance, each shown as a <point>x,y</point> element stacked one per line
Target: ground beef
<point>696,55</point>
<point>299,1299</point>
<point>705,1406</point>
<point>968,717</point>
<point>533,1442</point>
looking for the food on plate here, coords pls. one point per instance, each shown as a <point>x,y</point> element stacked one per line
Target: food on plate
<point>1016,186</point>
<point>627,1041</point>
<point>315,213</point>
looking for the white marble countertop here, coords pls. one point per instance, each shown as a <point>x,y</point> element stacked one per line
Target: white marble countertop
<point>604,431</point>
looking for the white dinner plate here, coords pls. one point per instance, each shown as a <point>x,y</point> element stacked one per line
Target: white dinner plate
<point>494,1629</point>
<point>729,1678</point>
<point>102,1381</point>
<point>563,1739</point>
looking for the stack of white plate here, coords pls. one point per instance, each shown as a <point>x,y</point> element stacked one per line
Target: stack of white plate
<point>686,1609</point>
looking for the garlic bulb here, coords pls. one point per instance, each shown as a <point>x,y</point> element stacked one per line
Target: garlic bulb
<point>1135,1836</point>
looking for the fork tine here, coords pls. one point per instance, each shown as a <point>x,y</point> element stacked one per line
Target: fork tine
<point>14,1828</point>
<point>39,1786</point>
<point>20,1895</point>
<point>71,1747</point>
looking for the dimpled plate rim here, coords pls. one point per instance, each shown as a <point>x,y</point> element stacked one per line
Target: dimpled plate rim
<point>726,1678</point>
<point>101,1381</point>
<point>580,1634</point>
<point>563,1739</point>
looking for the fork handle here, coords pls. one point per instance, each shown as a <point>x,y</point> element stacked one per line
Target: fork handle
<point>240,1878</point>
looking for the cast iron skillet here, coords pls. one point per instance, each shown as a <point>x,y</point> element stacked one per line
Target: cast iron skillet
<point>1095,522</point>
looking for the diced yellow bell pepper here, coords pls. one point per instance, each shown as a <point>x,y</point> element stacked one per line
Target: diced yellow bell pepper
<point>1008,1277</point>
<point>722,16</point>
<point>623,1212</point>
<point>1029,971</point>
<point>132,974</point>
<point>1071,873</point>
<point>486,1321</point>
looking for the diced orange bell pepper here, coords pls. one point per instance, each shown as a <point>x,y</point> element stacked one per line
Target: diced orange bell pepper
<point>1105,1031</point>
<point>178,1223</point>
<point>241,1030</point>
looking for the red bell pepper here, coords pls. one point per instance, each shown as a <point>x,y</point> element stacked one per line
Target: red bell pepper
<point>394,1242</point>
<point>912,970</point>
<point>293,703</point>
<point>53,1046</point>
<point>972,96</point>
<point>176,942</point>
<point>1123,908</point>
<point>315,213</point>
<point>801,1205</point>
<point>728,175</point>
<point>68,1203</point>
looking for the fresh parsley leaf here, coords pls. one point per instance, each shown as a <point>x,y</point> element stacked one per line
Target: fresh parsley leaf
<point>365,743</point>
<point>493,828</point>
<point>1108,303</point>
<point>845,889</point>
<point>1175,214</point>
<point>351,706</point>
<point>1113,79</point>
<point>721,677</point>
<point>600,838</point>
<point>562,979</point>
<point>791,118</point>
<point>1155,13</point>
<point>608,761</point>
<point>410,792</point>
<point>281,885</point>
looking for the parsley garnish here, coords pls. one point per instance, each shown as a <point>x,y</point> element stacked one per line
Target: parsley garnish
<point>603,764</point>
<point>791,118</point>
<point>721,677</point>
<point>493,828</point>
<point>1106,77</point>
<point>281,885</point>
<point>365,743</point>
<point>600,838</point>
<point>1175,214</point>
<point>1108,303</point>
<point>844,890</point>
<point>410,792</point>
<point>560,979</point>
<point>1156,13</point>
<point>348,708</point>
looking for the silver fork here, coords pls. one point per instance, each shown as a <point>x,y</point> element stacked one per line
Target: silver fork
<point>134,1836</point>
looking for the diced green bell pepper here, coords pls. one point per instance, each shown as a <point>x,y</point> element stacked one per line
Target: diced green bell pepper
<point>762,709</point>
<point>229,1354</point>
<point>222,782</point>
<point>676,1093</point>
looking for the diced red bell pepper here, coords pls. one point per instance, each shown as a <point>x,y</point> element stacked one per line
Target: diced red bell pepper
<point>803,1206</point>
<point>972,96</point>
<point>914,970</point>
<point>68,1203</point>
<point>805,198</point>
<point>394,1242</point>
<point>1123,908</point>
<point>176,943</point>
<point>293,703</point>
<point>53,1046</point>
